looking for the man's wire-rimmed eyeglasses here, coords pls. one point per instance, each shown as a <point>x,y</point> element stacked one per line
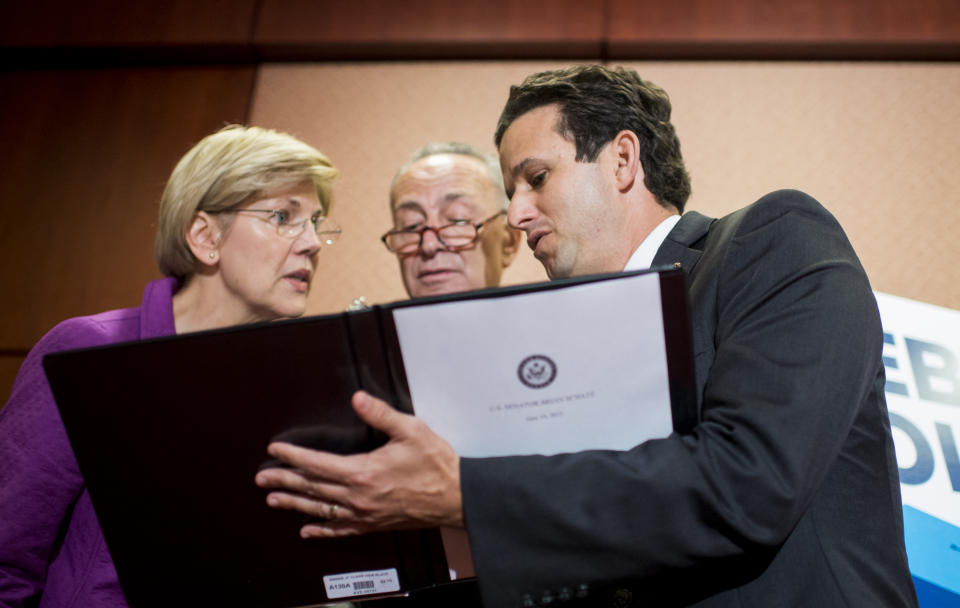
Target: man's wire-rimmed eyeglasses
<point>326,229</point>
<point>455,236</point>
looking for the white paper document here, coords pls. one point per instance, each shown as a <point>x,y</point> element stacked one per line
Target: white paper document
<point>560,370</point>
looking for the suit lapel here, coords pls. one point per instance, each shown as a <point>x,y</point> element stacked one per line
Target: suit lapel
<point>677,247</point>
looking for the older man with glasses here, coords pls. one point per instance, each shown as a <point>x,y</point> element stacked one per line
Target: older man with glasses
<point>450,232</point>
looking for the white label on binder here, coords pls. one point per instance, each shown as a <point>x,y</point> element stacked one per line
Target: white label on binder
<point>352,584</point>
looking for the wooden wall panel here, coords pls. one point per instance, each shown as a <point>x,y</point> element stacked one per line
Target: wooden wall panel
<point>9,366</point>
<point>240,30</point>
<point>783,29</point>
<point>765,21</point>
<point>41,23</point>
<point>430,28</point>
<point>86,155</point>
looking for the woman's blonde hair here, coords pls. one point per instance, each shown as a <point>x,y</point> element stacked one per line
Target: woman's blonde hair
<point>224,170</point>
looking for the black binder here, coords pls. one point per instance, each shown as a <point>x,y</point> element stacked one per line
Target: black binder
<point>170,432</point>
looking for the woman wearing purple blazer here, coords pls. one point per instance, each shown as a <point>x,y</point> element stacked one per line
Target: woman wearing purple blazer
<point>242,221</point>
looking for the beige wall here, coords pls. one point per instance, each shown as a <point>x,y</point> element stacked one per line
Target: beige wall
<point>877,143</point>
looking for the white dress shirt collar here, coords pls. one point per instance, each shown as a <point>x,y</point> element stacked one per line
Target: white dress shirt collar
<point>642,258</point>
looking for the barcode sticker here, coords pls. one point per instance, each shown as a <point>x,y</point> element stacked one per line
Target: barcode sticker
<point>352,584</point>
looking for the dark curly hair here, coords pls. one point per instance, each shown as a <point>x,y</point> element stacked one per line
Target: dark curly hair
<point>595,104</point>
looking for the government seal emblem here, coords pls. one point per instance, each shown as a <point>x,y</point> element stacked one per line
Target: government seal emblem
<point>537,371</point>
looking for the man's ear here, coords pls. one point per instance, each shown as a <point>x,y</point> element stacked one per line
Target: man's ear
<point>512,238</point>
<point>203,238</point>
<point>626,150</point>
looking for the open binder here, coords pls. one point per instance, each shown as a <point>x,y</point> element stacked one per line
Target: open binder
<point>169,432</point>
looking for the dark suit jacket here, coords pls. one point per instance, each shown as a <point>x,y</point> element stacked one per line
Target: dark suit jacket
<point>785,494</point>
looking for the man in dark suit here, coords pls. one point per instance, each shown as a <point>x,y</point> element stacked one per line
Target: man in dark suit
<point>785,493</point>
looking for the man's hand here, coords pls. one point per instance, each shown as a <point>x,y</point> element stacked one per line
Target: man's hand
<point>413,481</point>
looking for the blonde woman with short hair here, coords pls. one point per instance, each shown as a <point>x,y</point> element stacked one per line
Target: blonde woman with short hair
<point>242,221</point>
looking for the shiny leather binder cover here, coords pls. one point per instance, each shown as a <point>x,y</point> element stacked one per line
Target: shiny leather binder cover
<point>170,432</point>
